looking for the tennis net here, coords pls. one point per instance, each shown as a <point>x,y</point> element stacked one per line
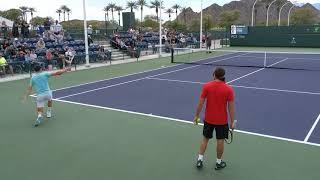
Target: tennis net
<point>259,59</point>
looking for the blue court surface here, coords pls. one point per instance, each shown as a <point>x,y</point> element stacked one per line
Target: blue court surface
<point>277,103</point>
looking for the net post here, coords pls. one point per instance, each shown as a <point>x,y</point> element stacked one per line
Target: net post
<point>265,60</point>
<point>172,53</point>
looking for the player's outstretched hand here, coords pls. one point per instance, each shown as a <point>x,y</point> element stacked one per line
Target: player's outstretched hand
<point>233,125</point>
<point>196,120</point>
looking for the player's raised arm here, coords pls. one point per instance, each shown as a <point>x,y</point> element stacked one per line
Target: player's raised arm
<point>58,73</point>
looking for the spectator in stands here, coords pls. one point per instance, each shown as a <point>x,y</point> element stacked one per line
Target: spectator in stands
<point>10,51</point>
<point>15,29</point>
<point>25,29</point>
<point>4,64</point>
<point>40,44</point>
<point>69,56</point>
<point>40,30</point>
<point>4,29</point>
<point>56,28</point>
<point>16,43</point>
<point>21,57</point>
<point>5,44</point>
<point>49,59</point>
<point>89,31</point>
<point>154,48</point>
<point>33,56</point>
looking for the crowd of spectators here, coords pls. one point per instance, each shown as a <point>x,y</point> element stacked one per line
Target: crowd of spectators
<point>134,41</point>
<point>51,47</point>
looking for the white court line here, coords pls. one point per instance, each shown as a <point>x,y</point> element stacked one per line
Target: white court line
<point>312,129</point>
<point>256,71</point>
<point>279,90</point>
<point>173,80</point>
<point>141,72</point>
<point>139,79</point>
<point>245,87</point>
<point>184,121</point>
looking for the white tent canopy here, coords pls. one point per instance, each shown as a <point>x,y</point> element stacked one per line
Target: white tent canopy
<point>8,22</point>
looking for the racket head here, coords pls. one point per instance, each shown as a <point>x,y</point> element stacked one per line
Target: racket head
<point>230,137</point>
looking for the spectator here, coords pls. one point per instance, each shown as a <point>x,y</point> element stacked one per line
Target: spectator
<point>33,56</point>
<point>4,64</point>
<point>25,29</point>
<point>41,30</point>
<point>15,29</point>
<point>69,56</point>
<point>56,28</point>
<point>40,44</point>
<point>10,51</point>
<point>90,30</point>
<point>4,29</point>
<point>208,42</point>
<point>154,48</point>
<point>49,59</point>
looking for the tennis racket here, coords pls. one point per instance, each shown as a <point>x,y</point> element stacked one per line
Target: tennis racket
<point>230,134</point>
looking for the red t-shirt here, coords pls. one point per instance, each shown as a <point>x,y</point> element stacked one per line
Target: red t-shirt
<point>217,95</point>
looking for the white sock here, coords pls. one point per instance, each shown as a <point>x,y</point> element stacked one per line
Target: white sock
<point>39,115</point>
<point>200,157</point>
<point>219,161</point>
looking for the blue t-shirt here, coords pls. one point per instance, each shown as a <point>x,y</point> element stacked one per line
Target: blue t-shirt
<point>40,82</point>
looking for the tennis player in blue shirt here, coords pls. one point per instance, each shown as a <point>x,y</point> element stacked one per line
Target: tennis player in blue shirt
<point>39,82</point>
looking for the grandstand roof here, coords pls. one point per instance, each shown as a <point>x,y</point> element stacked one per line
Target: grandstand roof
<point>8,22</point>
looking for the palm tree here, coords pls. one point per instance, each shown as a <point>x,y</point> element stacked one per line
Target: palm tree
<point>156,5</point>
<point>64,10</point>
<point>176,7</point>
<point>169,11</point>
<point>68,11</point>
<point>24,10</point>
<point>142,3</point>
<point>119,9</point>
<point>59,11</point>
<point>132,5</point>
<point>106,15</point>
<point>31,10</point>
<point>112,7</point>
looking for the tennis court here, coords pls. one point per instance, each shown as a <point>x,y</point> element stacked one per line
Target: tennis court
<point>137,122</point>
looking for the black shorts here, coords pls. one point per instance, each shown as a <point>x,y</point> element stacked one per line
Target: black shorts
<point>222,131</point>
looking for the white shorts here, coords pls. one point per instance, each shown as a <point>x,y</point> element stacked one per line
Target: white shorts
<point>43,98</point>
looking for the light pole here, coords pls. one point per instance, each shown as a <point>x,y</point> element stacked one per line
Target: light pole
<point>290,14</point>
<point>252,13</point>
<point>201,26</point>
<point>279,21</point>
<point>267,24</point>
<point>160,29</point>
<point>85,33</point>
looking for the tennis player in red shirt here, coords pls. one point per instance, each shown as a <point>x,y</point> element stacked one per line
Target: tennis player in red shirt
<point>219,99</point>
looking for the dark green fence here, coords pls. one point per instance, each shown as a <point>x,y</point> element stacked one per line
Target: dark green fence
<point>283,36</point>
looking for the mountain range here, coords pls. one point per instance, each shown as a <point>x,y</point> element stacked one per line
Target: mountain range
<point>245,7</point>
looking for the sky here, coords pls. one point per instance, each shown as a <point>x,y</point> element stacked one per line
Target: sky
<point>94,7</point>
